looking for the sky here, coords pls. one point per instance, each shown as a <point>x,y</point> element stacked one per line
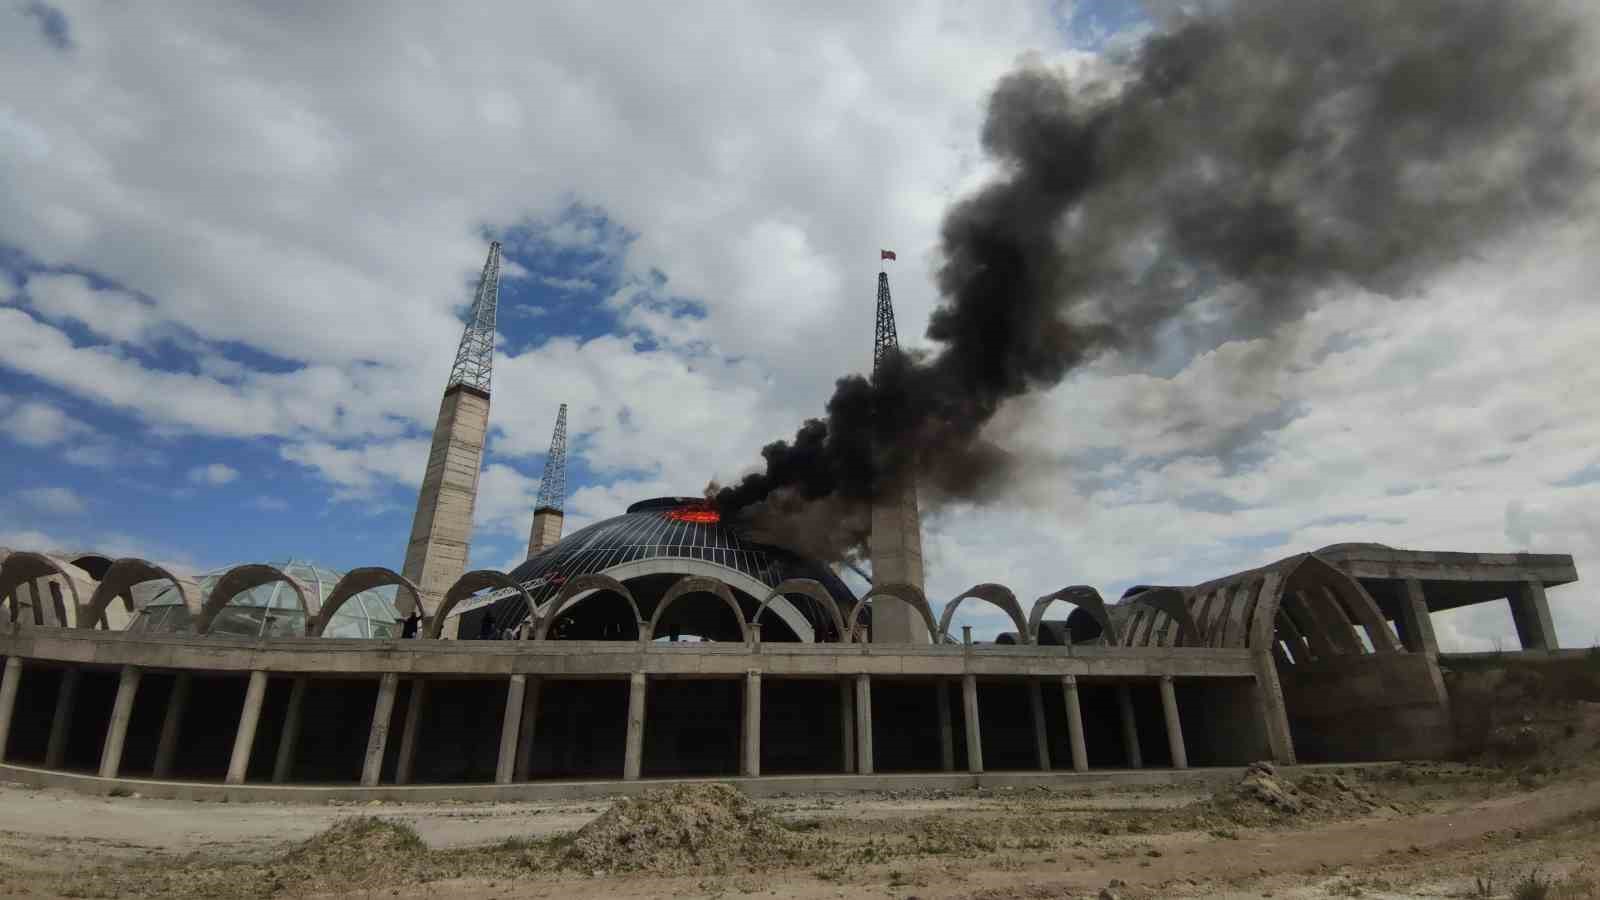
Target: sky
<point>238,242</point>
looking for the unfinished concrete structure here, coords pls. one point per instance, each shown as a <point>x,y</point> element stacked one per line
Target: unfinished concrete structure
<point>441,530</point>
<point>895,541</point>
<point>547,511</point>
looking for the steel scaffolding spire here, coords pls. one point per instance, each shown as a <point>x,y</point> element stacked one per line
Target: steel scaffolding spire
<point>886,341</point>
<point>475,357</point>
<point>553,486</point>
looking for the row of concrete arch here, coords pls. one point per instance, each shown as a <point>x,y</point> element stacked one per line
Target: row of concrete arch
<point>1299,607</point>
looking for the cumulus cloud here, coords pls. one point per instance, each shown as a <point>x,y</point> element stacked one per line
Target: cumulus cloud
<point>36,424</point>
<point>108,313</point>
<point>56,501</point>
<point>213,474</point>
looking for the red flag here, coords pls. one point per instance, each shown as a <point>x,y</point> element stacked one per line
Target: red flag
<point>886,254</point>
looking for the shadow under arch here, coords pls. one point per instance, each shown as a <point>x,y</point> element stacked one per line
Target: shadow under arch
<point>813,589</point>
<point>578,589</point>
<point>690,584</point>
<point>467,585</point>
<point>1165,607</point>
<point>21,567</point>
<point>904,593</point>
<point>121,576</point>
<point>993,594</point>
<point>1087,600</point>
<point>239,579</point>
<point>354,582</point>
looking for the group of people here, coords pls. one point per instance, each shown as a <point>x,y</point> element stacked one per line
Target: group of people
<point>411,627</point>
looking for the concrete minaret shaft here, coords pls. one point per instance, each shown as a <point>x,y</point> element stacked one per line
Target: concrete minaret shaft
<point>441,532</point>
<point>547,514</point>
<point>896,541</point>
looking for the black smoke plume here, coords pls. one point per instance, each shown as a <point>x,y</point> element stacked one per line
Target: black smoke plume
<point>1254,158</point>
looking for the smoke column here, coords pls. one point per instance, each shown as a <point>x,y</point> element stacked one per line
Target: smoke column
<point>1254,157</point>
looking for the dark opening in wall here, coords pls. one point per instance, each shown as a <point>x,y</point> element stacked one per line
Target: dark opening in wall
<point>802,727</point>
<point>582,729</point>
<point>692,727</point>
<point>210,721</point>
<point>91,714</point>
<point>144,726</point>
<point>905,725</point>
<point>30,718</point>
<point>459,737</point>
<point>335,724</point>
<point>1005,718</point>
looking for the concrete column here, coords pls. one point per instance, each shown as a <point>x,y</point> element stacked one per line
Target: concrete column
<point>752,723</point>
<point>969,713</point>
<point>947,731</point>
<point>441,529</point>
<point>1169,708</point>
<point>283,766</point>
<point>1080,749</point>
<point>8,699</point>
<point>1415,623</point>
<point>117,731</point>
<point>378,736</point>
<point>1130,727</point>
<point>1274,713</point>
<point>1041,730</point>
<point>1530,612</point>
<point>863,707</point>
<point>239,762</point>
<point>530,721</point>
<point>895,545</point>
<point>510,729</point>
<point>405,763</point>
<point>847,726</point>
<point>171,725</point>
<point>633,755</point>
<point>61,722</point>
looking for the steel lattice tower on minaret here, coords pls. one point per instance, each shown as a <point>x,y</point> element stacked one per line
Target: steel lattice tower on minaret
<point>547,514</point>
<point>895,544</point>
<point>441,532</point>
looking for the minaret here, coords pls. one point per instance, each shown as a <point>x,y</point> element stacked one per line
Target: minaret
<point>896,540</point>
<point>547,513</point>
<point>442,529</point>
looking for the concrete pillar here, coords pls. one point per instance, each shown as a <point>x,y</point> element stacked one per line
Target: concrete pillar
<point>1416,625</point>
<point>546,529</point>
<point>406,762</point>
<point>117,731</point>
<point>1530,612</point>
<point>1130,727</point>
<point>283,766</point>
<point>172,725</point>
<point>1041,730</point>
<point>969,715</point>
<point>1080,749</point>
<point>1274,713</point>
<point>61,721</point>
<point>633,755</point>
<point>1169,709</point>
<point>8,699</point>
<point>947,731</point>
<point>895,545</point>
<point>863,707</point>
<point>239,762</point>
<point>752,723</point>
<point>530,721</point>
<point>441,530</point>
<point>378,736</point>
<point>510,729</point>
<point>847,726</point>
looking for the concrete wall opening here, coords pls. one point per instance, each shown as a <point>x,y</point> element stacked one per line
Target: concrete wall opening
<point>692,726</point>
<point>335,723</point>
<point>802,726</point>
<point>459,731</point>
<point>582,729</point>
<point>905,724</point>
<point>1222,723</point>
<point>1005,722</point>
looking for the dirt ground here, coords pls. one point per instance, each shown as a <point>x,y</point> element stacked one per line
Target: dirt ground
<point>1432,830</point>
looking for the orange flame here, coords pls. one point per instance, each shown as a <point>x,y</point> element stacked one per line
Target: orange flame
<point>699,515</point>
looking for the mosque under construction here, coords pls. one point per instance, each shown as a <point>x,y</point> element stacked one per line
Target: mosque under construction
<point>665,643</point>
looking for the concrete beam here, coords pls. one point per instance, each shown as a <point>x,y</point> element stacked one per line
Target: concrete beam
<point>863,710</point>
<point>1080,749</point>
<point>405,764</point>
<point>1130,727</point>
<point>510,729</point>
<point>9,683</point>
<point>969,713</point>
<point>633,752</point>
<point>378,735</point>
<point>1041,733</point>
<point>752,724</point>
<point>530,721</point>
<point>1416,624</point>
<point>947,737</point>
<point>117,731</point>
<point>1530,612</point>
<point>61,720</point>
<point>172,725</point>
<point>847,726</point>
<point>245,737</point>
<point>1274,712</point>
<point>1169,709</point>
<point>283,765</point>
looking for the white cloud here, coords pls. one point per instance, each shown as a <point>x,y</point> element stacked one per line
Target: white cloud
<point>38,424</point>
<point>359,469</point>
<point>213,474</point>
<point>58,501</point>
<point>109,313</point>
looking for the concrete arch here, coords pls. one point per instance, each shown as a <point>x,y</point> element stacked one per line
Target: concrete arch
<point>1173,604</point>
<point>813,589</point>
<point>122,575</point>
<point>996,595</point>
<point>24,567</point>
<point>1308,574</point>
<point>354,582</point>
<point>690,584</point>
<point>1083,597</point>
<point>239,579</point>
<point>734,578</point>
<point>905,593</point>
<point>576,590</point>
<point>467,585</point>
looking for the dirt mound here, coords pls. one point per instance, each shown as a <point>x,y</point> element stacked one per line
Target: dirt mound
<point>357,844</point>
<point>1264,797</point>
<point>687,826</point>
